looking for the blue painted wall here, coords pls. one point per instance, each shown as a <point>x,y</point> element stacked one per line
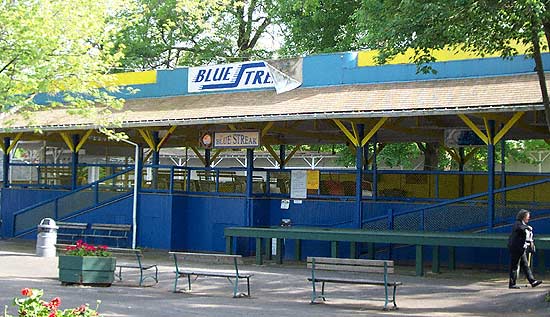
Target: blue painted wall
<point>198,222</point>
<point>341,69</point>
<point>154,221</point>
<point>14,200</point>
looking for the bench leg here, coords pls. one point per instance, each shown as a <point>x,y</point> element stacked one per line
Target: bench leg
<point>236,287</point>
<point>386,296</point>
<point>248,285</point>
<point>119,273</point>
<point>394,303</point>
<point>176,282</point>
<point>189,281</point>
<point>323,292</point>
<point>313,291</point>
<point>140,277</point>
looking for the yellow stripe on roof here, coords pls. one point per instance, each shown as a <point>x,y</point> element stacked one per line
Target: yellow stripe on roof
<point>135,78</point>
<point>368,58</point>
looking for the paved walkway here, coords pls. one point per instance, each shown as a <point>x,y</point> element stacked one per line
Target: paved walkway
<point>276,291</point>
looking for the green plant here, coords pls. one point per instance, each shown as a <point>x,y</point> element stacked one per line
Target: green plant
<point>31,305</point>
<point>83,249</point>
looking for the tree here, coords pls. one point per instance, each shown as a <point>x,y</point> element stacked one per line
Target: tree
<point>482,26</point>
<point>314,26</point>
<point>168,33</point>
<point>53,47</point>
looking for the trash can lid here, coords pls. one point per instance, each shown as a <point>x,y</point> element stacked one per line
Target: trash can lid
<point>48,223</point>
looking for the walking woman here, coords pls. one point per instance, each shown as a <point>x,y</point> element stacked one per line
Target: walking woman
<point>519,244</point>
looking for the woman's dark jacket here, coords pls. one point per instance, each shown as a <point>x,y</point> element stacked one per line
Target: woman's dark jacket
<point>516,241</point>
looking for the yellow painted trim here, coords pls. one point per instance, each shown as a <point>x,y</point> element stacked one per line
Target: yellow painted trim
<point>148,155</point>
<point>165,138</point>
<point>14,142</point>
<point>67,140</point>
<point>474,128</point>
<point>272,152</point>
<point>199,155</point>
<point>287,159</point>
<point>368,58</point>
<point>147,137</point>
<point>508,125</point>
<point>373,131</point>
<point>3,147</point>
<point>266,128</point>
<point>232,127</point>
<point>134,78</point>
<point>489,136</point>
<point>348,134</point>
<point>83,140</point>
<point>470,155</point>
<point>218,152</point>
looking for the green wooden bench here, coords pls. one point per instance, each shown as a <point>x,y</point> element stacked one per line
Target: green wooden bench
<point>357,266</point>
<point>145,270</point>
<point>70,232</point>
<point>109,231</point>
<point>233,275</point>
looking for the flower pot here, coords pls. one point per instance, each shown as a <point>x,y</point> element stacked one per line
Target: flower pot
<point>86,270</point>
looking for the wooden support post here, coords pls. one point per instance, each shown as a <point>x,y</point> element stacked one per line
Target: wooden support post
<point>353,250</point>
<point>259,259</point>
<point>268,254</point>
<point>229,245</point>
<point>452,259</point>
<point>419,260</point>
<point>279,255</point>
<point>334,249</point>
<point>435,260</point>
<point>371,251</point>
<point>541,267</point>
<point>297,249</point>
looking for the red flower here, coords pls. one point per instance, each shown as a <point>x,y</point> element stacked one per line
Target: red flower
<point>79,243</point>
<point>26,292</point>
<point>52,314</point>
<point>102,247</point>
<point>70,248</point>
<point>54,303</point>
<point>90,248</point>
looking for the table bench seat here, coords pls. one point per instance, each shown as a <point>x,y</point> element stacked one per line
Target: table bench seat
<point>233,275</point>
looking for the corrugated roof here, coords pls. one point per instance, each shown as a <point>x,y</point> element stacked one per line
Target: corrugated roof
<point>435,97</point>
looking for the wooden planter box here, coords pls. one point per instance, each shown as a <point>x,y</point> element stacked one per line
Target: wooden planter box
<point>87,270</point>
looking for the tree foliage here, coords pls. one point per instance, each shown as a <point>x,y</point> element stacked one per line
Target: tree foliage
<point>484,27</point>
<point>53,47</point>
<point>168,33</point>
<point>314,26</point>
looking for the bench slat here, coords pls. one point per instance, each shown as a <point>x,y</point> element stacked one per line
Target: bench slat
<point>350,268</point>
<point>214,273</point>
<point>352,281</point>
<point>209,257</point>
<point>359,262</point>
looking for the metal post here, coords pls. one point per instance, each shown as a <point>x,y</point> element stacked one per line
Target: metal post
<point>491,178</point>
<point>74,162</point>
<point>374,168</point>
<point>503,170</point>
<point>249,179</point>
<point>282,155</point>
<point>137,183</point>
<point>207,157</point>
<point>155,160</point>
<point>461,170</point>
<point>6,166</point>
<point>359,179</point>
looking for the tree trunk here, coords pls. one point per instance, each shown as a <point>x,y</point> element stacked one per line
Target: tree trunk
<point>431,155</point>
<point>540,72</point>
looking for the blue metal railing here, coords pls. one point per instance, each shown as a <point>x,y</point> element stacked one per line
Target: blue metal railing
<point>62,207</point>
<point>418,217</point>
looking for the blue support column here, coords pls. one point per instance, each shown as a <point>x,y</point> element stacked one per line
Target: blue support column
<point>74,163</point>
<point>503,169</point>
<point>207,153</point>
<point>359,179</point>
<point>282,155</point>
<point>155,160</point>
<point>374,167</point>
<point>491,177</point>
<point>249,179</point>
<point>461,175</point>
<point>6,166</point>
